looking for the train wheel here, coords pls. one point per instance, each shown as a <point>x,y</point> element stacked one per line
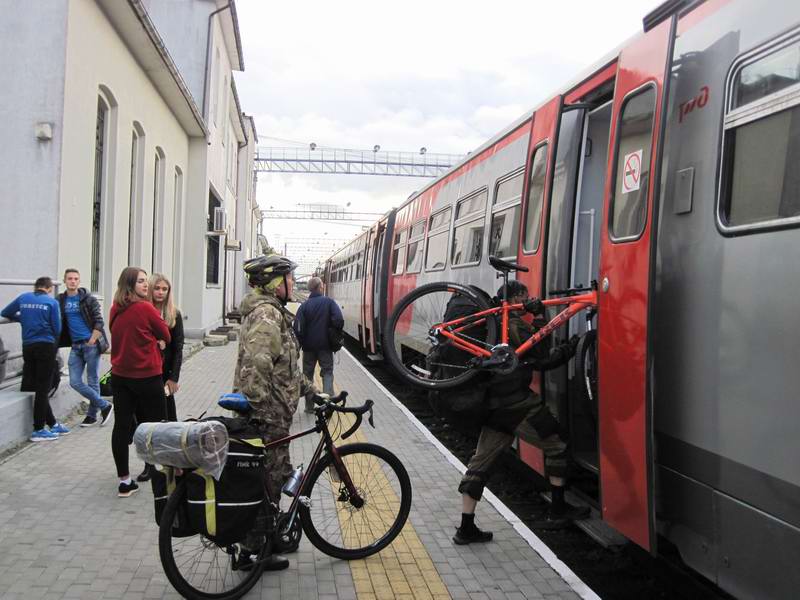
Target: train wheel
<point>426,359</point>
<point>586,369</point>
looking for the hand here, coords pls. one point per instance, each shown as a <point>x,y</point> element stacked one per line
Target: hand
<point>319,398</point>
<point>172,386</point>
<point>573,344</point>
<point>534,306</point>
<point>91,341</point>
<point>162,344</point>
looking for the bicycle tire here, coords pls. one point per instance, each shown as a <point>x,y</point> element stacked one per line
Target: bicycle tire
<point>410,370</point>
<point>173,572</point>
<point>586,369</point>
<point>366,476</point>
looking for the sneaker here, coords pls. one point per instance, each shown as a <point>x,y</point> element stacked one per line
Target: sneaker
<point>43,435</point>
<point>127,489</point>
<point>145,475</point>
<point>59,429</point>
<point>560,519</point>
<point>106,414</point>
<point>472,535</point>
<point>88,421</point>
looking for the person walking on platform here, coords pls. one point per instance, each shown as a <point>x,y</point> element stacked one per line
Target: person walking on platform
<point>266,369</point>
<point>137,335</point>
<point>318,320</point>
<point>83,331</point>
<point>38,314</point>
<point>506,401</point>
<point>160,295</point>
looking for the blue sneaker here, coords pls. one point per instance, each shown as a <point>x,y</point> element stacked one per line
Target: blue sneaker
<point>42,435</point>
<point>59,429</point>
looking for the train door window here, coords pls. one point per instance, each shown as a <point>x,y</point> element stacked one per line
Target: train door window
<point>632,172</point>
<point>760,187</point>
<point>533,207</point>
<point>468,229</point>
<point>399,254</point>
<point>438,232</point>
<point>415,243</point>
<point>504,233</point>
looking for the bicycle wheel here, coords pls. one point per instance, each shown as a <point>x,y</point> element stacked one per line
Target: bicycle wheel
<point>586,369</point>
<point>353,530</point>
<point>196,566</point>
<point>430,360</point>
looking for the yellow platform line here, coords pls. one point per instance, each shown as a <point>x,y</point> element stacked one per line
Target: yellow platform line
<point>404,569</point>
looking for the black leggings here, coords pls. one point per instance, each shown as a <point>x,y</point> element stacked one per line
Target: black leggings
<point>139,398</point>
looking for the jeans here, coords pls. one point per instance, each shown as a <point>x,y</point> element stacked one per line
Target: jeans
<point>39,363</point>
<point>325,359</point>
<point>84,356</point>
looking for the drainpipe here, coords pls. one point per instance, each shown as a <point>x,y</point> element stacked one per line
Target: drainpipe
<point>206,78</point>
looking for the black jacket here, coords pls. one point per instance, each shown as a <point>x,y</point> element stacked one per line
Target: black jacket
<point>314,317</point>
<point>173,353</point>
<point>92,315</point>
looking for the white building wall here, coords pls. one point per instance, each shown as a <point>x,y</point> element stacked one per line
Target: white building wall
<point>115,74</point>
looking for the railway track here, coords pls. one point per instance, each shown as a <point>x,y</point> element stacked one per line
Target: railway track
<point>614,573</point>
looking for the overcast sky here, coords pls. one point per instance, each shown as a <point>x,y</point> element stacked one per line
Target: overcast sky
<point>444,75</point>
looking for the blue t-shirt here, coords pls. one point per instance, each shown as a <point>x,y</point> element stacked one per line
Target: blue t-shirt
<point>39,315</point>
<point>78,329</point>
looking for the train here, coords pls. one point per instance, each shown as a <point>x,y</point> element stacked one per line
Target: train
<point>664,173</point>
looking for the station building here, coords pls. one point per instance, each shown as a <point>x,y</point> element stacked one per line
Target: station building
<point>125,144</point>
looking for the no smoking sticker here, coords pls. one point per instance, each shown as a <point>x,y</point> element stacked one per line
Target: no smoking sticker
<point>631,171</point>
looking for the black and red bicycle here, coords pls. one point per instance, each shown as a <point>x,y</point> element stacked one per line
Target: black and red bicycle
<point>352,501</point>
<point>432,351</point>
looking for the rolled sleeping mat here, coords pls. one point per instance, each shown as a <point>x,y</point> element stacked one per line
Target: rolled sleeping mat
<point>184,444</point>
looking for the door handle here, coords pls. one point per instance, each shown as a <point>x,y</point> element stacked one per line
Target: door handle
<point>606,284</point>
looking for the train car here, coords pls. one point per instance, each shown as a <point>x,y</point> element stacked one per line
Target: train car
<point>666,174</point>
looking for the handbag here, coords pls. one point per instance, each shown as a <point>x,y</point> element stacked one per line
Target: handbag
<point>105,384</point>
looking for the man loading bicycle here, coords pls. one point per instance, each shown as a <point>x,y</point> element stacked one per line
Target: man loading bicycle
<point>267,370</point>
<point>508,401</point>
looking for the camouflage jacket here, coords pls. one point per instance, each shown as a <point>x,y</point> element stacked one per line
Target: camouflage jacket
<point>268,370</point>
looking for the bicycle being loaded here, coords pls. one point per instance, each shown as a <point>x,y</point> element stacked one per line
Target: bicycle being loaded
<point>351,502</point>
<point>416,332</point>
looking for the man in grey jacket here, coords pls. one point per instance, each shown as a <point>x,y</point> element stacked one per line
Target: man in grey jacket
<point>83,330</point>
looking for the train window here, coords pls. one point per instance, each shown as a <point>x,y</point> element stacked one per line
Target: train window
<point>509,190</point>
<point>533,207</point>
<point>474,204</point>
<point>760,187</point>
<point>399,254</point>
<point>415,243</point>
<point>438,232</point>
<point>504,232</point>
<point>468,231</point>
<point>632,174</point>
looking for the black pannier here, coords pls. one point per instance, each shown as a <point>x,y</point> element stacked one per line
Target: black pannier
<point>225,510</point>
<point>164,483</point>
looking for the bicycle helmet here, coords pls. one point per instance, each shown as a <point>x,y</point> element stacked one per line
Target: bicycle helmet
<point>268,270</point>
<point>514,288</point>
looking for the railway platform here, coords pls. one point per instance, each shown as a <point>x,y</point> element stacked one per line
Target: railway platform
<point>65,534</point>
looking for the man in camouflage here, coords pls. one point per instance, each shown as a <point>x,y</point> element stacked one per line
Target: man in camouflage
<point>267,370</point>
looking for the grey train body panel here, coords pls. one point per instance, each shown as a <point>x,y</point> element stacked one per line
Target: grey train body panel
<point>725,346</point>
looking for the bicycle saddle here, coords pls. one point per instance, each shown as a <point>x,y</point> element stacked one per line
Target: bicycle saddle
<point>502,265</point>
<point>235,402</point>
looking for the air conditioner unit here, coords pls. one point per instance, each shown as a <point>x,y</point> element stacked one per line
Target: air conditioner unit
<point>220,220</point>
<point>233,245</point>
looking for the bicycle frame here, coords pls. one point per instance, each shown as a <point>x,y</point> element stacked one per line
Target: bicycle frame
<point>325,442</point>
<point>575,304</point>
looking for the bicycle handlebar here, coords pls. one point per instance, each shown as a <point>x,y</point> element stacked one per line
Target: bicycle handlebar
<point>332,404</point>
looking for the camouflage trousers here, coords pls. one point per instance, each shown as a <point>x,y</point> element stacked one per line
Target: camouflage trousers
<point>277,461</point>
<point>492,443</point>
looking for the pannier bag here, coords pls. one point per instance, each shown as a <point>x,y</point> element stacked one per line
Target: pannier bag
<point>225,510</point>
<point>164,482</point>
<point>188,445</point>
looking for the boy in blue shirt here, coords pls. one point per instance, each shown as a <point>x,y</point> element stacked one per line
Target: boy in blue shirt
<point>40,317</point>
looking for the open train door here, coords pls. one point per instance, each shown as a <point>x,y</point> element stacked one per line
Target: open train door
<point>625,273</point>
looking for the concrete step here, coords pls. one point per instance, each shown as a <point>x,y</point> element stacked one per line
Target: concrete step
<point>16,412</point>
<point>215,340</point>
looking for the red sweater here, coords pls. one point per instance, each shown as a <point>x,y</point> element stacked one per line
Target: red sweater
<point>135,331</point>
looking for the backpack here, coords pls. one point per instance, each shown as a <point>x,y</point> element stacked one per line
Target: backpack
<point>225,510</point>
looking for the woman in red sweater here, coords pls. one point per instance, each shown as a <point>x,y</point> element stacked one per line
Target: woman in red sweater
<point>137,329</point>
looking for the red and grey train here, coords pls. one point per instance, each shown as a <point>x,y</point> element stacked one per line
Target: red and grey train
<point>666,174</point>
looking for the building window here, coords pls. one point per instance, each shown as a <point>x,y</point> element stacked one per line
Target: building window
<point>504,233</point>
<point>533,207</point>
<point>97,196</point>
<point>470,219</point>
<point>212,244</point>
<point>158,212</point>
<point>399,254</point>
<point>632,173</point>
<point>177,222</point>
<point>438,232</point>
<point>761,142</point>
<point>415,244</point>
<point>132,195</point>
<point>217,70</point>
